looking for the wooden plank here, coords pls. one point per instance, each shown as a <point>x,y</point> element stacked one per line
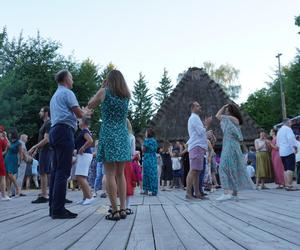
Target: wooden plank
<point>278,231</point>
<point>164,200</point>
<point>151,200</point>
<point>268,239</point>
<point>186,233</point>
<point>207,231</point>
<point>141,236</point>
<point>232,233</point>
<point>164,235</point>
<point>277,219</point>
<point>69,237</point>
<point>95,236</point>
<point>278,209</point>
<point>137,199</point>
<point>48,230</point>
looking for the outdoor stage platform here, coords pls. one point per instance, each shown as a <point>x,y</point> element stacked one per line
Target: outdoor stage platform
<point>268,219</point>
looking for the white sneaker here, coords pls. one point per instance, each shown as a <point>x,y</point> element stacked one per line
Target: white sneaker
<point>235,198</point>
<point>88,201</point>
<point>94,195</point>
<point>80,202</point>
<point>224,197</point>
<point>5,198</point>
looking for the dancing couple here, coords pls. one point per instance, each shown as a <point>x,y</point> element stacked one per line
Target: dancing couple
<point>232,170</point>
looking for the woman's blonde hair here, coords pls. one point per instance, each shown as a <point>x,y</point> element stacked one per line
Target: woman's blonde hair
<point>117,84</point>
<point>129,126</point>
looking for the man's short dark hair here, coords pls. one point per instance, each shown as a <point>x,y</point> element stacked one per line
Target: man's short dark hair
<point>150,133</point>
<point>285,121</point>
<point>46,109</point>
<point>191,104</point>
<point>61,75</point>
<point>14,134</point>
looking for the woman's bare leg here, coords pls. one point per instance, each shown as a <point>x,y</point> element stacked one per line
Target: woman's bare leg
<point>86,190</point>
<point>121,183</point>
<point>111,186</point>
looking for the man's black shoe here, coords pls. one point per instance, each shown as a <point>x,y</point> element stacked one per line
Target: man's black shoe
<point>68,201</point>
<point>40,200</point>
<point>66,214</point>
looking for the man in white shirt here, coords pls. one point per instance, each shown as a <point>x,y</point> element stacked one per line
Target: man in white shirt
<point>287,143</point>
<point>298,159</point>
<point>197,146</point>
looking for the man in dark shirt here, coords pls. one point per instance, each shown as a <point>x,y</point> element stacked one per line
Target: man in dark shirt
<point>45,154</point>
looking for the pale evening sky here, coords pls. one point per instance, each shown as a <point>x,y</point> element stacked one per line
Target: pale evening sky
<point>140,35</point>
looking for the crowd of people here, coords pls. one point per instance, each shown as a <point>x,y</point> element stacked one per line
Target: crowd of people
<point>67,155</point>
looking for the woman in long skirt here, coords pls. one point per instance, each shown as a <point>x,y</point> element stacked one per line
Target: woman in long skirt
<point>263,161</point>
<point>233,172</point>
<point>150,178</point>
<point>276,161</point>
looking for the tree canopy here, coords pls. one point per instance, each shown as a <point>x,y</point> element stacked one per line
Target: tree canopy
<point>265,105</point>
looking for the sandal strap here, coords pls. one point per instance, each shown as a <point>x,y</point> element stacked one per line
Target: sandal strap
<point>128,211</point>
<point>111,216</point>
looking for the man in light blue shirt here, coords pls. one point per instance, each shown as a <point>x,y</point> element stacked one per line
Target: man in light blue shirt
<point>65,110</point>
<point>62,103</point>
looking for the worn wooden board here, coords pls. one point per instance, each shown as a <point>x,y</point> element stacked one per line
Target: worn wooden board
<point>267,219</point>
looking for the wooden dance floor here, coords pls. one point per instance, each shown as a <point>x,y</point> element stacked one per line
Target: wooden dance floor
<point>268,219</point>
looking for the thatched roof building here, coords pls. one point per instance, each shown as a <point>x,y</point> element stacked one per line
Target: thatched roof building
<point>170,121</point>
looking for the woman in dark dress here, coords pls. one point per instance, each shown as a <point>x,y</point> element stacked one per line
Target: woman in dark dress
<point>166,170</point>
<point>185,163</point>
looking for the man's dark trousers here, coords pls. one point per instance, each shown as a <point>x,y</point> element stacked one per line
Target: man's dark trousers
<point>61,139</point>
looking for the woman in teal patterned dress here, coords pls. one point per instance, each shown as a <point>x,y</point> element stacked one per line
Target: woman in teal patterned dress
<point>150,178</point>
<point>14,153</point>
<point>114,146</point>
<point>232,170</point>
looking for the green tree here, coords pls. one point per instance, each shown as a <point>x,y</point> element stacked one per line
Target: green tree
<point>226,75</point>
<point>297,22</point>
<point>27,68</point>
<point>164,89</point>
<point>86,82</point>
<point>142,104</point>
<point>260,106</point>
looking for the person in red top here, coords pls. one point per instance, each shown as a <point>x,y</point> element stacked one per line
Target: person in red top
<point>3,148</point>
<point>128,171</point>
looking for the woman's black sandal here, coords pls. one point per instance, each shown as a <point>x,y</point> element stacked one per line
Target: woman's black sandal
<point>111,216</point>
<point>128,211</point>
<point>123,214</point>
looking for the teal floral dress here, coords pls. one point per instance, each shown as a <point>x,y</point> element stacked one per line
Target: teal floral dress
<point>114,144</point>
<point>232,170</point>
<point>150,178</point>
<point>11,157</point>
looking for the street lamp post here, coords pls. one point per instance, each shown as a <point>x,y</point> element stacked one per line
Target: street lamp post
<point>282,95</point>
